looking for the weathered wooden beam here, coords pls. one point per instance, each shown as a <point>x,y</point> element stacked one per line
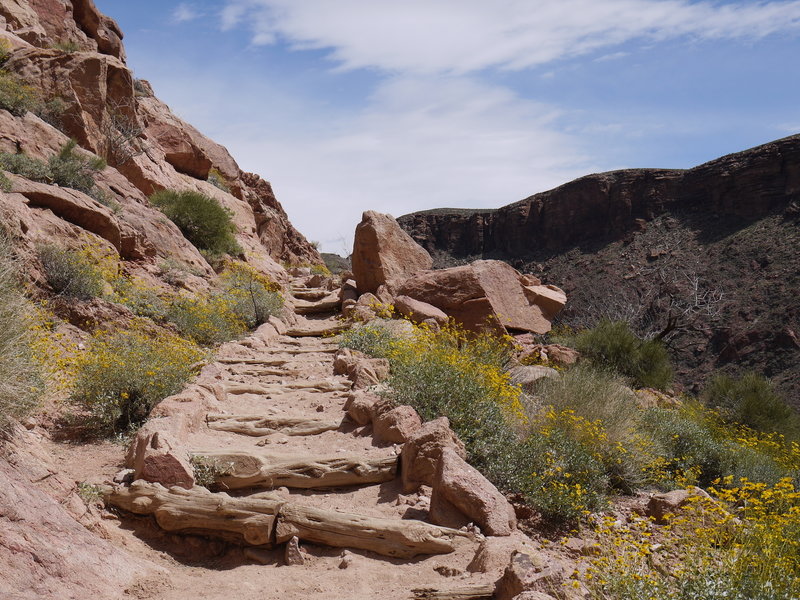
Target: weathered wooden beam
<point>249,470</point>
<point>265,519</point>
<point>260,425</point>
<point>464,592</point>
<point>199,511</point>
<point>319,385</point>
<point>388,537</point>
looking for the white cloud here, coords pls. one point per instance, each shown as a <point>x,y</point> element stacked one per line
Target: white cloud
<point>419,143</point>
<point>460,36</point>
<point>185,12</point>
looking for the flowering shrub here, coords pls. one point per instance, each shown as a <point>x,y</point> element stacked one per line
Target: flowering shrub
<point>122,375</point>
<point>20,383</point>
<point>70,272</point>
<point>743,543</point>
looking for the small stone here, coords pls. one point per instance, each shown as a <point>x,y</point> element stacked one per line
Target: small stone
<point>446,571</point>
<point>320,408</point>
<point>124,476</point>
<point>347,559</point>
<point>293,556</point>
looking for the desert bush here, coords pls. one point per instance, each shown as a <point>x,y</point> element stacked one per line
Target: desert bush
<point>202,219</point>
<point>6,50</point>
<point>20,381</point>
<point>140,298</point>
<point>68,46</point>
<point>208,470</point>
<point>70,169</point>
<point>70,272</point>
<point>252,296</point>
<point>122,375</point>
<point>694,445</point>
<point>218,180</point>
<point>752,401</point>
<point>22,164</point>
<point>17,97</point>
<point>206,319</point>
<point>614,346</point>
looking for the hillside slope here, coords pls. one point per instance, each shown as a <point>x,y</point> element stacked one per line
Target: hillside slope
<point>77,85</point>
<point>631,242</point>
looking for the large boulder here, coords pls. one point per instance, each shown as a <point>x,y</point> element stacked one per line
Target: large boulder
<point>382,251</point>
<point>423,450</point>
<point>459,485</point>
<point>484,294</point>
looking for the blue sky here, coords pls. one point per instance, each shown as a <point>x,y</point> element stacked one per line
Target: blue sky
<point>396,106</point>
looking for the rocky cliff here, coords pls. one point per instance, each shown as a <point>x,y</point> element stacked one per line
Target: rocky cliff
<point>632,244</point>
<point>606,206</point>
<point>71,62</point>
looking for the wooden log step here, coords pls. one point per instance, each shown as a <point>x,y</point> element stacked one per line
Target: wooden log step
<point>388,537</point>
<point>240,470</point>
<point>310,293</point>
<point>321,385</point>
<point>325,305</point>
<point>200,511</point>
<point>253,361</point>
<point>261,425</point>
<point>326,329</point>
<point>322,350</point>
<point>266,519</point>
<point>483,591</point>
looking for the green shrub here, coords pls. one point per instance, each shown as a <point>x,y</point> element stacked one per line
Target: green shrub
<point>67,168</point>
<point>252,296</point>
<point>70,169</point>
<point>20,380</point>
<point>25,166</point>
<point>122,375</point>
<point>70,272</point>
<point>17,97</point>
<point>202,219</point>
<point>207,320</point>
<point>141,299</point>
<point>752,401</point>
<point>6,50</point>
<point>5,183</point>
<point>614,346</point>
<point>694,445</point>
<point>68,46</point>
<point>218,180</point>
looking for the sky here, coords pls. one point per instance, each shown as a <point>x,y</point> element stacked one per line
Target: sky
<point>404,105</point>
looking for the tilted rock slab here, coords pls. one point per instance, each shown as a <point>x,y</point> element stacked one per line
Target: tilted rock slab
<point>382,251</point>
<point>462,486</point>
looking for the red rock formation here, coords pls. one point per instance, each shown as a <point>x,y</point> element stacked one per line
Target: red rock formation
<point>382,252</point>
<point>147,147</point>
<point>607,205</point>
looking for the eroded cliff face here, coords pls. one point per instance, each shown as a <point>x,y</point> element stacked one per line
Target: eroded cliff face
<point>68,52</point>
<point>626,242</point>
<point>607,206</point>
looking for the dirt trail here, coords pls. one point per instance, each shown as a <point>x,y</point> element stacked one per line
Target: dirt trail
<point>197,568</point>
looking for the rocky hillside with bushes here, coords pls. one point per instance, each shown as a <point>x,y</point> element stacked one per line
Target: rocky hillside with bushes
<point>702,259</point>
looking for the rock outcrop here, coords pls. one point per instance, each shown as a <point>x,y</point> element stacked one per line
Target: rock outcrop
<point>485,293</point>
<point>113,115</point>
<point>382,251</point>
<point>46,550</point>
<point>603,206</point>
